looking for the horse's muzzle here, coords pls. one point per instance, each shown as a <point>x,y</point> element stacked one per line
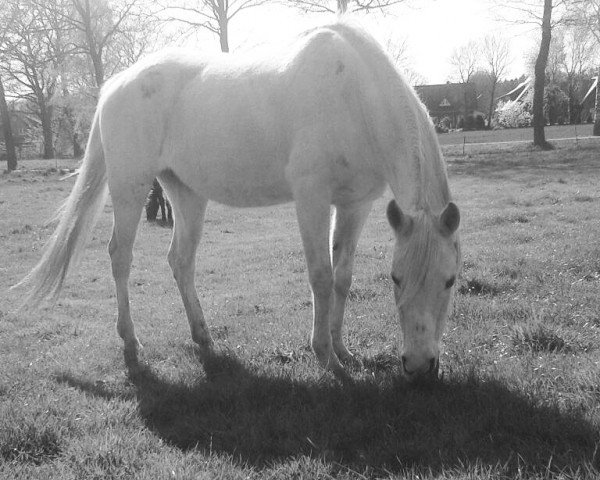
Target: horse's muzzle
<point>428,370</point>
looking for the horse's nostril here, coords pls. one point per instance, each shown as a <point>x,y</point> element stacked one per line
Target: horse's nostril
<point>427,368</point>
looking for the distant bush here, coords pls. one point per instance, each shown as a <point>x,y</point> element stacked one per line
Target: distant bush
<point>513,114</point>
<point>556,105</point>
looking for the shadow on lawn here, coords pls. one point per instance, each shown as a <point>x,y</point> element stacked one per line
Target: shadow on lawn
<point>381,425</point>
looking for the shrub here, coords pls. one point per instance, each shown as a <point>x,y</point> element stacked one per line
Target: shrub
<point>513,114</point>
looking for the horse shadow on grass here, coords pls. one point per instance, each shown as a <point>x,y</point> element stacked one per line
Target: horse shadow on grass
<point>380,424</point>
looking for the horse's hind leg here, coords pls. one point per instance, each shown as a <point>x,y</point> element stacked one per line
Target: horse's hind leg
<point>189,209</point>
<point>348,223</point>
<point>127,205</point>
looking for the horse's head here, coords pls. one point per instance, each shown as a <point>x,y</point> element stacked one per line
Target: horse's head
<point>426,261</point>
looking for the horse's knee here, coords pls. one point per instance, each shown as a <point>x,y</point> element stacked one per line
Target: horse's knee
<point>342,282</point>
<point>321,281</point>
<point>120,260</point>
<point>181,265</point>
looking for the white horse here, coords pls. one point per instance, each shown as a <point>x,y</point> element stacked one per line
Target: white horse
<point>329,121</point>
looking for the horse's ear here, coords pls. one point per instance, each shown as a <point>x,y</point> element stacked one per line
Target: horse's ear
<point>398,220</point>
<point>450,219</point>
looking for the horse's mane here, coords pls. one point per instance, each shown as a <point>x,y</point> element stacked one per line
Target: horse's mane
<point>421,183</point>
<point>421,252</point>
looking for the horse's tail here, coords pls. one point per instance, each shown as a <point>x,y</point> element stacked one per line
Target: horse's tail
<point>342,6</point>
<point>76,219</point>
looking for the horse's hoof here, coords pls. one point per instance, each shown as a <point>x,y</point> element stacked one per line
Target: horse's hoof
<point>130,354</point>
<point>206,350</point>
<point>343,376</point>
<point>203,340</point>
<point>351,362</point>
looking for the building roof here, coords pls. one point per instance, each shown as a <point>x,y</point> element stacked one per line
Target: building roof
<point>448,97</point>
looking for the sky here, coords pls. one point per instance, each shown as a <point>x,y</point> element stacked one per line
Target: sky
<point>432,29</point>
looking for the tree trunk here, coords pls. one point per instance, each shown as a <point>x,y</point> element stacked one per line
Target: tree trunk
<point>9,141</point>
<point>539,121</point>
<point>492,93</point>
<point>571,105</point>
<point>46,116</point>
<point>596,131</point>
<point>94,50</point>
<point>224,35</point>
<point>78,151</point>
<point>96,57</point>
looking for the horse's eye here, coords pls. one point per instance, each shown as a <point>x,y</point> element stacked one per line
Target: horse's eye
<point>450,282</point>
<point>396,280</point>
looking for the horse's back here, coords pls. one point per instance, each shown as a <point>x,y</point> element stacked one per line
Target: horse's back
<point>240,129</point>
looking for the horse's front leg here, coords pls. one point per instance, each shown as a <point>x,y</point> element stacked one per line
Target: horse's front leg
<point>348,223</point>
<point>313,211</point>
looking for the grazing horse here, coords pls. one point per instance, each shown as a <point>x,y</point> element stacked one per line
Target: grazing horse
<point>327,121</point>
<point>156,201</point>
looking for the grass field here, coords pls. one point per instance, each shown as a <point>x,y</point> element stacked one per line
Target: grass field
<point>520,391</point>
<point>552,132</point>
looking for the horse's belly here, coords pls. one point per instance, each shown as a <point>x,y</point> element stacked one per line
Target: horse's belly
<point>238,193</point>
<point>241,181</point>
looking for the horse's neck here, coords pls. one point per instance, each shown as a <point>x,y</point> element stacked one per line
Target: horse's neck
<point>417,173</point>
<point>400,129</point>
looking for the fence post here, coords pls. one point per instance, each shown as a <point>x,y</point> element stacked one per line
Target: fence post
<point>576,137</point>
<point>464,141</point>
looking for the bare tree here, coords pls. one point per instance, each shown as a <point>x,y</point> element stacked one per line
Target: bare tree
<point>106,37</point>
<point>495,52</point>
<point>398,51</point>
<point>334,6</point>
<point>539,121</point>
<point>100,22</point>
<point>547,14</point>
<point>556,57</point>
<point>7,17</point>
<point>579,52</point>
<point>587,14</point>
<point>9,141</point>
<point>34,48</point>
<point>211,15</point>
<point>465,61</point>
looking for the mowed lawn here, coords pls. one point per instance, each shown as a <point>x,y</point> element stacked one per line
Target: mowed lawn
<point>525,134</point>
<point>519,395</point>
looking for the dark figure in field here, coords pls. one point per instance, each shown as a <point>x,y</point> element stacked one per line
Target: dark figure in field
<point>155,200</point>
